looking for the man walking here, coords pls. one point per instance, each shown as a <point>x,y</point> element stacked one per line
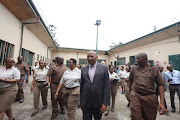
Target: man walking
<point>55,73</point>
<point>94,88</point>
<point>173,77</point>
<point>23,67</point>
<point>143,100</point>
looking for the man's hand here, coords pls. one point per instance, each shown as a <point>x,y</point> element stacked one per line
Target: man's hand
<point>27,79</point>
<point>56,96</point>
<point>169,80</point>
<point>103,108</point>
<point>162,109</point>
<point>31,88</point>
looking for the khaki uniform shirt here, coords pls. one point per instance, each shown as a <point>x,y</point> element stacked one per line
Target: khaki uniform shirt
<point>143,80</point>
<point>23,67</point>
<point>56,72</point>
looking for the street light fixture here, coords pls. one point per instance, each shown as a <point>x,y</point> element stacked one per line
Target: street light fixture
<point>98,22</point>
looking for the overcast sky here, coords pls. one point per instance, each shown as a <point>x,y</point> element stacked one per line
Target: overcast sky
<point>121,20</point>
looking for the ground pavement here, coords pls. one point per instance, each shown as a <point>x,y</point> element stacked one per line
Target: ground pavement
<point>22,111</point>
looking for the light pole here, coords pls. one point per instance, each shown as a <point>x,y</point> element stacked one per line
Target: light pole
<point>98,22</point>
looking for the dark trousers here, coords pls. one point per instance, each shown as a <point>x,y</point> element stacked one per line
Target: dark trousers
<point>157,93</point>
<point>173,88</point>
<point>88,112</point>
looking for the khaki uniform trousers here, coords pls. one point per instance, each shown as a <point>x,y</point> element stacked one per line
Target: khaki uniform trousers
<point>54,87</point>
<point>114,89</point>
<point>143,107</point>
<point>20,83</point>
<point>71,97</point>
<point>37,89</point>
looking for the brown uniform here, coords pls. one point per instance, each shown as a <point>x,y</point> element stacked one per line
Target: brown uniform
<point>56,72</point>
<point>143,99</point>
<point>23,67</point>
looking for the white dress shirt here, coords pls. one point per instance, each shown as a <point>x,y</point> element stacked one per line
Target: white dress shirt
<point>71,78</point>
<point>11,73</point>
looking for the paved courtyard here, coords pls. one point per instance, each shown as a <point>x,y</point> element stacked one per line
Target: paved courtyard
<point>122,112</point>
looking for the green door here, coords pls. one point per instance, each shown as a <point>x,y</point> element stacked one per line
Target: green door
<point>174,60</point>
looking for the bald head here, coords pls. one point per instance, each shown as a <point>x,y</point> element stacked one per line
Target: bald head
<point>161,68</point>
<point>143,55</point>
<point>92,57</point>
<point>59,60</point>
<point>170,68</point>
<point>20,59</point>
<point>9,61</point>
<point>103,62</point>
<point>141,59</point>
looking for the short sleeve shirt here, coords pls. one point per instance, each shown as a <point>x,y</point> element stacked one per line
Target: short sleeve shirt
<point>40,74</point>
<point>11,73</point>
<point>56,72</point>
<point>113,75</point>
<point>122,74</point>
<point>143,80</point>
<point>71,79</point>
<point>23,67</point>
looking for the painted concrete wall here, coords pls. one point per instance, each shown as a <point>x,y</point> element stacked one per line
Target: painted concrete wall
<point>158,51</point>
<point>10,31</point>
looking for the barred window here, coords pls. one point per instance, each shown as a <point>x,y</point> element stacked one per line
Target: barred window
<point>83,61</point>
<point>132,60</point>
<point>37,57</point>
<point>6,50</point>
<point>122,61</point>
<point>27,56</point>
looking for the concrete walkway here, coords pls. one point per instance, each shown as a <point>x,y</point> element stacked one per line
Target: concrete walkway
<point>122,112</point>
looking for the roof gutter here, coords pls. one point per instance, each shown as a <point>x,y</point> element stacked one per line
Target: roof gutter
<point>33,7</point>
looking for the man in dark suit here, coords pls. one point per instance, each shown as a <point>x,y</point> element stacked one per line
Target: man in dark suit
<point>94,88</point>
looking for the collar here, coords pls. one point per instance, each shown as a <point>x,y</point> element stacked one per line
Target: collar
<point>93,65</point>
<point>76,69</point>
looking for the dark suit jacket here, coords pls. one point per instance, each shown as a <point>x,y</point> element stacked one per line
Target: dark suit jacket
<point>98,92</point>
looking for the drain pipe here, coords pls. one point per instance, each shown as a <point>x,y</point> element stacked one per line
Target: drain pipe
<point>22,31</point>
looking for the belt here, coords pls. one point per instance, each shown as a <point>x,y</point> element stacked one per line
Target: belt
<point>175,84</point>
<point>71,88</point>
<point>40,81</point>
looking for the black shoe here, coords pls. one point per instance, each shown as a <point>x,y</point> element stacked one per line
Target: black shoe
<point>21,100</point>
<point>128,104</point>
<point>173,110</point>
<point>53,115</point>
<point>106,113</point>
<point>15,100</point>
<point>33,114</point>
<point>44,107</point>
<point>63,111</point>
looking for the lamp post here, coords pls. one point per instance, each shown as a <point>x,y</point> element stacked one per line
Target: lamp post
<point>98,22</point>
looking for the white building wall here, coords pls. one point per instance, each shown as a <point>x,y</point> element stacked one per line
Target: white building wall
<point>158,51</point>
<point>10,31</point>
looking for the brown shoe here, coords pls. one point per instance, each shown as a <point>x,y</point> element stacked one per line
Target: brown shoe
<point>44,107</point>
<point>53,115</point>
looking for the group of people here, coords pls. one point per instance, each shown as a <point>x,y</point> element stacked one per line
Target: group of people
<point>92,87</point>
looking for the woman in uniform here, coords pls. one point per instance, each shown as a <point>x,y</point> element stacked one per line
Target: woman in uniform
<point>39,87</point>
<point>8,87</point>
<point>71,91</point>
